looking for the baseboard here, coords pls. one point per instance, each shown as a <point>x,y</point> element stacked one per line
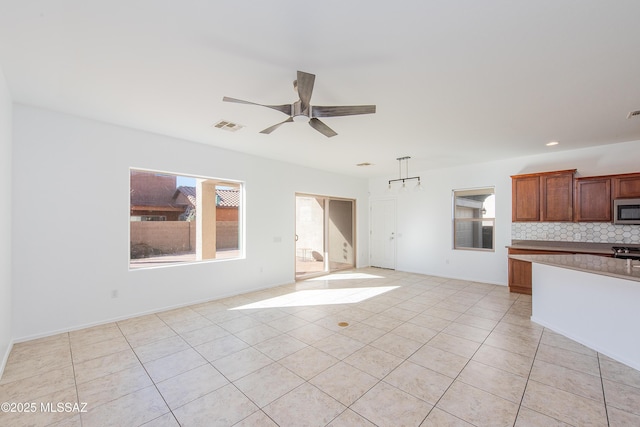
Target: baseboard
<point>607,352</point>
<point>130,316</point>
<point>5,358</point>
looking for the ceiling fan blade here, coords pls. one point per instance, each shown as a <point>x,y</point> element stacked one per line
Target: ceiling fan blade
<point>276,126</point>
<point>286,108</point>
<point>305,88</point>
<point>322,128</point>
<point>342,110</point>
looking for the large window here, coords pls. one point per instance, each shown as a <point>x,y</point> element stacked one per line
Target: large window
<point>474,218</point>
<point>177,218</point>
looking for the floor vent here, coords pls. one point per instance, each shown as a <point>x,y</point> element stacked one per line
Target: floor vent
<point>227,125</point>
<point>633,114</point>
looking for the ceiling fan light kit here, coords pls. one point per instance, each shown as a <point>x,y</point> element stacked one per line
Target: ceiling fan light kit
<point>403,188</point>
<point>302,111</point>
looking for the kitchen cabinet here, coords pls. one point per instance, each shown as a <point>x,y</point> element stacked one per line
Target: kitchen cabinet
<point>594,195</point>
<point>546,196</point>
<point>526,198</point>
<point>592,199</point>
<point>519,276</point>
<point>520,271</point>
<point>556,196</point>
<point>626,186</point>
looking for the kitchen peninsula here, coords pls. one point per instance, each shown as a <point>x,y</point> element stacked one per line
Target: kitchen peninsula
<point>520,270</point>
<point>591,299</point>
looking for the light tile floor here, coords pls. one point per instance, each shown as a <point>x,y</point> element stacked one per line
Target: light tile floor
<point>418,351</point>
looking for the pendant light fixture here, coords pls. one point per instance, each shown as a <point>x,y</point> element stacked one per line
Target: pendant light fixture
<point>403,188</point>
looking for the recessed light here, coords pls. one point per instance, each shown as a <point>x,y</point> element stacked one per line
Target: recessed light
<point>552,143</point>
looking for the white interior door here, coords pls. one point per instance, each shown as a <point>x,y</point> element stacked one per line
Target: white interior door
<point>383,233</point>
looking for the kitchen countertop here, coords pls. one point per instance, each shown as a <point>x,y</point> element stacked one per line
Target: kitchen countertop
<point>583,247</point>
<point>606,266</point>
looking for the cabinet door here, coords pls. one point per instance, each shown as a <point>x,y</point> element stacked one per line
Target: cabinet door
<point>626,186</point>
<point>593,199</point>
<point>557,197</point>
<point>520,276</point>
<point>520,279</point>
<point>525,198</point>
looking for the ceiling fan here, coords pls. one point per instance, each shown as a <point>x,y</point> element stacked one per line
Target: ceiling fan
<point>302,110</point>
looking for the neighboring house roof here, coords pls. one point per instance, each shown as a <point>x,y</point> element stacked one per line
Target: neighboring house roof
<point>228,198</point>
<point>224,198</point>
<point>188,192</point>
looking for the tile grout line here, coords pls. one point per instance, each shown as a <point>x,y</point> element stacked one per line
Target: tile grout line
<point>307,381</point>
<point>222,374</point>
<point>467,363</point>
<point>604,396</point>
<point>147,372</point>
<point>529,376</point>
<point>75,382</point>
<point>407,358</point>
<point>211,364</point>
<point>365,344</point>
<point>423,345</point>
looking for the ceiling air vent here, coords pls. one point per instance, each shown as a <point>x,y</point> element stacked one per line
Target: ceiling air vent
<point>228,126</point>
<point>365,164</point>
<point>633,114</point>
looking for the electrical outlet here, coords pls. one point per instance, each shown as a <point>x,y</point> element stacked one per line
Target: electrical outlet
<point>114,293</point>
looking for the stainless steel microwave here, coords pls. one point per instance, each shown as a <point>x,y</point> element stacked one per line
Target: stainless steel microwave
<point>626,211</point>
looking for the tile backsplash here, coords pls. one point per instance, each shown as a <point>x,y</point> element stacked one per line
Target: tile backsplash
<point>592,232</point>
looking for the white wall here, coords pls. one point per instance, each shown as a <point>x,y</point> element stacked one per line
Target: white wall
<point>562,297</point>
<point>5,222</point>
<point>71,203</point>
<point>424,227</point>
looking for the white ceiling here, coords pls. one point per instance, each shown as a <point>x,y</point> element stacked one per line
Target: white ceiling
<point>454,82</point>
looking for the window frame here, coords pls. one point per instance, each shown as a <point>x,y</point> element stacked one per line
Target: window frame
<point>455,221</point>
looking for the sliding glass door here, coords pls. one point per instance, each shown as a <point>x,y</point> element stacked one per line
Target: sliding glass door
<point>310,238</point>
<point>324,234</point>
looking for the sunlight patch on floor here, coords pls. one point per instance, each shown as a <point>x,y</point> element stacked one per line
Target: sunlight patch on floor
<point>345,276</point>
<point>319,297</point>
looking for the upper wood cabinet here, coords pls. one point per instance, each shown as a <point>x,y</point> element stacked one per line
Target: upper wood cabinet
<point>594,195</point>
<point>626,186</point>
<point>593,199</point>
<point>544,196</point>
<point>525,196</point>
<point>556,196</point>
